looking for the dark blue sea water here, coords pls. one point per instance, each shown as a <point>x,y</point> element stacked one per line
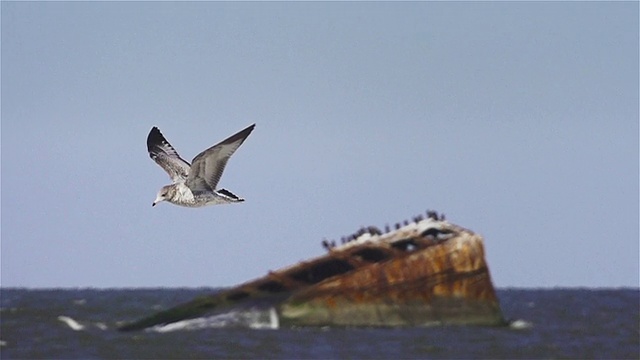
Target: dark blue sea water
<point>556,323</point>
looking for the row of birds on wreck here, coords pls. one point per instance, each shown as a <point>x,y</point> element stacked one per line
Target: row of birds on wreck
<point>373,230</point>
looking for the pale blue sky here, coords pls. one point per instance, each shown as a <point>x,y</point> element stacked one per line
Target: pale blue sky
<point>517,120</point>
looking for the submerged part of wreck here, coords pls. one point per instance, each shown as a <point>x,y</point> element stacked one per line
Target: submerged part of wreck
<point>424,272</point>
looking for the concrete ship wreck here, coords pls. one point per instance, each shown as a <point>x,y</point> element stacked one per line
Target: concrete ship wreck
<point>424,272</point>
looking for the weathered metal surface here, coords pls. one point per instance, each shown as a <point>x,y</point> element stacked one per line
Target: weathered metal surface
<point>426,272</point>
<point>449,283</point>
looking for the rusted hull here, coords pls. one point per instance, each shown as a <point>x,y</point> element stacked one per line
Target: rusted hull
<point>447,284</point>
<point>424,273</point>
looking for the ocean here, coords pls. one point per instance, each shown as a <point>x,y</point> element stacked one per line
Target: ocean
<point>545,323</point>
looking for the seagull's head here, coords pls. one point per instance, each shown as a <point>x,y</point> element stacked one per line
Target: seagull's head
<point>163,194</point>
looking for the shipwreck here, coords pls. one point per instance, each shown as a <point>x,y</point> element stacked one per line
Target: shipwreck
<point>423,272</point>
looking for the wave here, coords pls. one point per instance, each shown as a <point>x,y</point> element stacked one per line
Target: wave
<point>253,319</point>
<point>74,325</point>
<point>520,324</point>
<point>77,326</point>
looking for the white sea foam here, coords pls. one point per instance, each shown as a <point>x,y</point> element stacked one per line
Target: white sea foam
<point>191,324</point>
<point>253,319</point>
<point>74,325</point>
<point>273,324</point>
<point>520,324</point>
<point>273,317</point>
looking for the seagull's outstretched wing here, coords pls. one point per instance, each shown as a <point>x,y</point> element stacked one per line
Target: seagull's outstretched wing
<point>207,167</point>
<point>166,156</point>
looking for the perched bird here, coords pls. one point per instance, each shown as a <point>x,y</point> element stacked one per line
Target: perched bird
<point>195,185</point>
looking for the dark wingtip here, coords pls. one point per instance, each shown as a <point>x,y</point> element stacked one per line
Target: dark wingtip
<point>240,135</point>
<point>154,131</point>
<point>155,137</point>
<point>244,133</point>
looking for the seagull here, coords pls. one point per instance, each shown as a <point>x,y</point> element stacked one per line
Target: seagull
<point>195,185</point>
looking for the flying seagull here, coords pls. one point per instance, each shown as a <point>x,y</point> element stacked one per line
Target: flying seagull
<point>195,185</point>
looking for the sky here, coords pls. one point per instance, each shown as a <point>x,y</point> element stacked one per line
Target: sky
<point>517,120</point>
